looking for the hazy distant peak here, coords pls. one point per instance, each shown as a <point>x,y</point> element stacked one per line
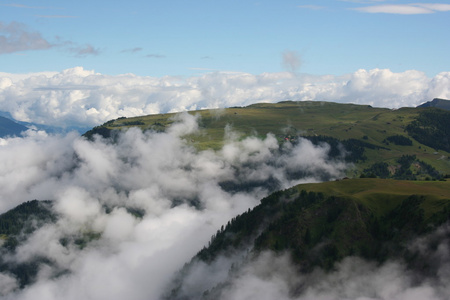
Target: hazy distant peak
<point>438,103</point>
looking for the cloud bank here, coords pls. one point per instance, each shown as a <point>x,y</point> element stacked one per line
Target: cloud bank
<point>83,98</point>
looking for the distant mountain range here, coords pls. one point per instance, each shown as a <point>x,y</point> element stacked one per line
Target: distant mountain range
<point>437,103</point>
<point>10,128</point>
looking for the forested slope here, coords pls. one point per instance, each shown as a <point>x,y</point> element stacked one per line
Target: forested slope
<point>321,224</point>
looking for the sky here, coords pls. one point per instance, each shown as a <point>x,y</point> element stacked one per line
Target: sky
<point>75,65</point>
<point>188,38</point>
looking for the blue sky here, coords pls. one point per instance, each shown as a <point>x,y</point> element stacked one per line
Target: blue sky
<point>190,37</point>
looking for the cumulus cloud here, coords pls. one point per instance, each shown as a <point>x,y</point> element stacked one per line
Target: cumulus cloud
<point>84,98</point>
<point>15,37</point>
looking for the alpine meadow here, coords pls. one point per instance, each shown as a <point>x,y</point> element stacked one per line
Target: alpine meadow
<point>211,150</point>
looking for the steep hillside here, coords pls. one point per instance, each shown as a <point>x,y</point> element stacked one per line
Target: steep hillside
<point>321,224</point>
<point>431,128</point>
<point>369,135</point>
<point>15,226</point>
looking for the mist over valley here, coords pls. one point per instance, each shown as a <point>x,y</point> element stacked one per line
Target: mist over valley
<point>126,207</point>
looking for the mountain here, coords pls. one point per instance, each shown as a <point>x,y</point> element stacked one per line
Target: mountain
<point>54,129</point>
<point>10,128</point>
<point>437,103</point>
<point>370,136</point>
<point>308,230</point>
<point>14,128</point>
<point>321,224</point>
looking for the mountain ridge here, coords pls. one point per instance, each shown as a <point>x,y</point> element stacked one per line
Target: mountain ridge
<point>10,128</point>
<point>437,103</point>
<point>381,135</point>
<point>317,225</point>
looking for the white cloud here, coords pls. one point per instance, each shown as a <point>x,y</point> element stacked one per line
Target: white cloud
<point>435,6</point>
<point>79,97</point>
<point>406,9</point>
<point>395,9</point>
<point>310,6</point>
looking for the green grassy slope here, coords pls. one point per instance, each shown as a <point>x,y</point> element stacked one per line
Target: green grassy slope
<point>283,118</point>
<point>340,121</point>
<point>382,195</point>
